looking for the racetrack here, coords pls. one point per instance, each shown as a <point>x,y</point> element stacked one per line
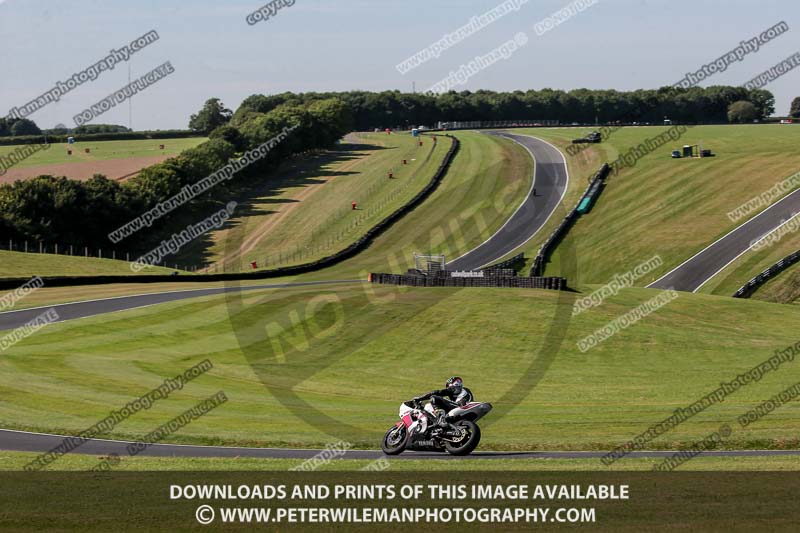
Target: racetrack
<point>87,308</point>
<point>38,442</point>
<point>549,184</point>
<point>700,268</point>
<point>550,181</point>
<point>42,443</point>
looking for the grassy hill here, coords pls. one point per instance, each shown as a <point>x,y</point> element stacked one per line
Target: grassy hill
<point>289,362</point>
<point>670,207</point>
<point>20,265</point>
<point>303,211</point>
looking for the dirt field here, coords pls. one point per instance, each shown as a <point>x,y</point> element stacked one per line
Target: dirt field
<point>116,169</point>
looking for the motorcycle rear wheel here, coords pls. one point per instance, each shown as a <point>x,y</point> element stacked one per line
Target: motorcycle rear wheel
<point>394,444</point>
<point>470,442</point>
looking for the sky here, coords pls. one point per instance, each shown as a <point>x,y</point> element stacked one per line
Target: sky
<point>339,45</point>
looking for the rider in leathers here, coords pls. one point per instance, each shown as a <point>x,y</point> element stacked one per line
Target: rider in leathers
<point>455,394</point>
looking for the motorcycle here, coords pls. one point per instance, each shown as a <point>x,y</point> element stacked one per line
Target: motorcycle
<point>415,430</point>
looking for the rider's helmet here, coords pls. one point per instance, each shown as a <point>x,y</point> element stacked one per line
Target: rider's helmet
<point>455,384</point>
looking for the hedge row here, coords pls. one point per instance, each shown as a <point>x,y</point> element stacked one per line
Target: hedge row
<point>85,137</point>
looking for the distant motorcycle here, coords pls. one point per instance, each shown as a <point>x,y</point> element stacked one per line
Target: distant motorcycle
<point>415,431</point>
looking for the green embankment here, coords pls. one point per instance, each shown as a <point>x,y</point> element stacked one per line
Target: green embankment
<point>302,366</point>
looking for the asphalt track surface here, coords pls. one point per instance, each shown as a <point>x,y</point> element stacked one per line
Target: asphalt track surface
<point>697,270</point>
<point>43,443</point>
<point>87,308</point>
<point>550,181</point>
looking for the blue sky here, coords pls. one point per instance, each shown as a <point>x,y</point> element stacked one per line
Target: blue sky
<point>356,44</point>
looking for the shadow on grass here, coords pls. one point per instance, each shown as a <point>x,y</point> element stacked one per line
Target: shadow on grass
<point>302,171</point>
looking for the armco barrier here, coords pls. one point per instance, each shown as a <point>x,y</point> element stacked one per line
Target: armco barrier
<point>488,281</point>
<point>346,253</point>
<point>518,259</point>
<point>751,286</point>
<point>592,191</point>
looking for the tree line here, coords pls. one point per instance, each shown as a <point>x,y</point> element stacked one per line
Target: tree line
<point>695,105</point>
<point>18,127</point>
<point>60,210</point>
<point>56,209</point>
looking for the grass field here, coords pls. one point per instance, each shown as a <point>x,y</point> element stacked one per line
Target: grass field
<point>20,265</point>
<point>669,207</point>
<point>303,211</point>
<point>11,461</point>
<point>305,366</point>
<point>104,150</point>
<point>295,220</point>
<point>483,187</point>
<point>486,183</point>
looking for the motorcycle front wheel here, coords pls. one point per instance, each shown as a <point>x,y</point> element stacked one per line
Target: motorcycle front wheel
<point>394,442</point>
<point>468,442</point>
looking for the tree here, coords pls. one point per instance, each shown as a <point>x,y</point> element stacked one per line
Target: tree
<point>230,134</point>
<point>795,110</point>
<point>742,112</point>
<point>212,116</point>
<point>24,126</point>
<point>101,128</point>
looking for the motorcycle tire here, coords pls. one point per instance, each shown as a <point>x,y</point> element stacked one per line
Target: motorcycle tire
<point>471,441</point>
<point>397,447</point>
